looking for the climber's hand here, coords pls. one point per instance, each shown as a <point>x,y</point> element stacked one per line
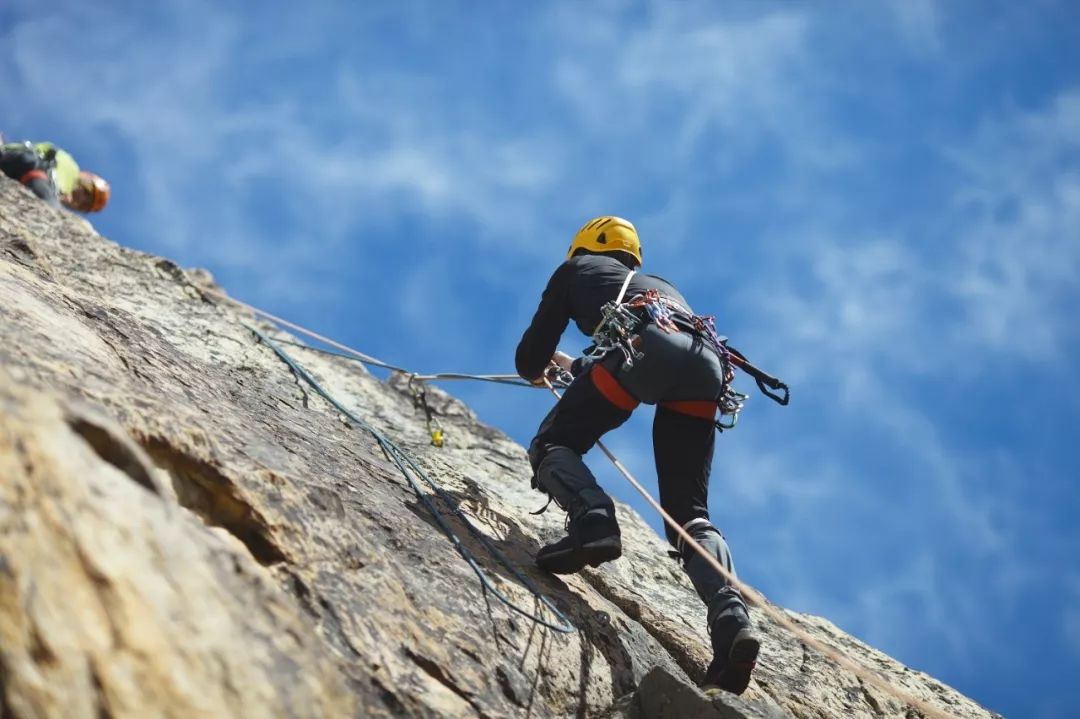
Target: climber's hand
<point>557,371</point>
<point>562,360</point>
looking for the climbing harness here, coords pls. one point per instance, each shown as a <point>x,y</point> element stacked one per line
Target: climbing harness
<point>621,321</point>
<point>410,469</point>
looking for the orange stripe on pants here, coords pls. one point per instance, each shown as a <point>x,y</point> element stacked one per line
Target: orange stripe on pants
<point>611,389</point>
<point>705,408</point>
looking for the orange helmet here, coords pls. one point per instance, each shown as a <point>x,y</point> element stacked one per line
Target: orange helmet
<point>97,192</point>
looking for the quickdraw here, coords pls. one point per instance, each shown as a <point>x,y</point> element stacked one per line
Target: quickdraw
<point>617,331</point>
<point>731,402</point>
<point>434,427</point>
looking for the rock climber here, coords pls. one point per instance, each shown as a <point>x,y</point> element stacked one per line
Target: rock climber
<point>665,359</point>
<point>53,175</point>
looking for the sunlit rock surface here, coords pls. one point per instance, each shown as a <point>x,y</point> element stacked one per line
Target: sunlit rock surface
<point>186,530</point>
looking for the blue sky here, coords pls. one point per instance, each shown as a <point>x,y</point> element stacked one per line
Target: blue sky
<point>879,201</point>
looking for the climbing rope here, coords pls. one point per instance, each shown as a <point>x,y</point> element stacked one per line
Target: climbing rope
<point>349,351</point>
<point>511,379</point>
<point>410,470</point>
<point>367,360</point>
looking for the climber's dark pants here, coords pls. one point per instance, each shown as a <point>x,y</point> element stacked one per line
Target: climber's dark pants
<point>684,377</point>
<point>682,445</point>
<point>24,165</point>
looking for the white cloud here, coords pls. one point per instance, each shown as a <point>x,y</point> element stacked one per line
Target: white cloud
<point>857,303</point>
<point>919,23</point>
<point>1017,271</point>
<point>754,480</point>
<point>982,519</point>
<point>692,81</point>
<point>912,604</point>
<point>999,284</point>
<point>873,319</point>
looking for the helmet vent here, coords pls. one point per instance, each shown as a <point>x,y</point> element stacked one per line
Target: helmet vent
<point>605,234</point>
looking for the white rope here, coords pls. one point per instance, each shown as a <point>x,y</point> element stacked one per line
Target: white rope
<point>302,330</point>
<point>625,285</point>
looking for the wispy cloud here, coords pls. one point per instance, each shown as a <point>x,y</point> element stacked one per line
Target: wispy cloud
<point>918,23</point>
<point>866,316</point>
<point>685,98</point>
<point>1017,271</point>
<point>1000,280</point>
<point>915,593</point>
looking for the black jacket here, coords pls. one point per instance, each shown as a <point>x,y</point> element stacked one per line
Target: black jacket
<point>577,291</point>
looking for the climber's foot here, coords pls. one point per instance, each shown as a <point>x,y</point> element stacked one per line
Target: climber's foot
<point>732,673</point>
<point>593,539</point>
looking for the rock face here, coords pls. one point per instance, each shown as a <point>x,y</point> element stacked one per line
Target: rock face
<point>187,530</point>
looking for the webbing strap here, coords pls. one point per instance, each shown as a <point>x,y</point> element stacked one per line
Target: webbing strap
<point>613,392</point>
<point>689,527</point>
<point>625,285</point>
<point>702,409</point>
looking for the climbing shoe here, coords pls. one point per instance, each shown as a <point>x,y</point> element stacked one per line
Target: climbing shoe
<point>593,538</point>
<point>731,671</point>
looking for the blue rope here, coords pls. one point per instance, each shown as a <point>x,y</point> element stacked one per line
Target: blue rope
<point>405,463</point>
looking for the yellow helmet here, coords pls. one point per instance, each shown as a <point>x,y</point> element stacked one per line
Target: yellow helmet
<point>607,234</point>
